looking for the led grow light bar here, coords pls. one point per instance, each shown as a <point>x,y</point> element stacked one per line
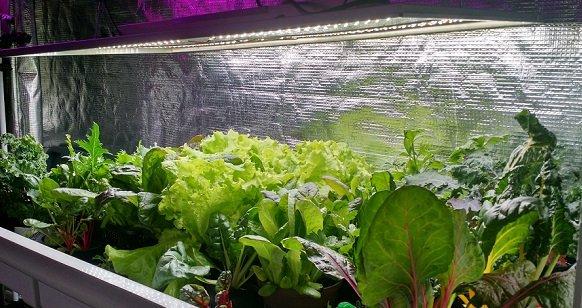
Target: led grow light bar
<point>277,26</point>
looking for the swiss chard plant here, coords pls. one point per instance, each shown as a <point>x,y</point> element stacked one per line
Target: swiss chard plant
<point>68,194</point>
<point>71,212</point>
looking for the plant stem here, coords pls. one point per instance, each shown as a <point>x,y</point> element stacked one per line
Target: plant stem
<point>540,268</point>
<point>552,265</point>
<point>451,300</point>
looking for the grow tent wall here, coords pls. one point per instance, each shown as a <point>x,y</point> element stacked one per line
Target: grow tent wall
<point>365,93</point>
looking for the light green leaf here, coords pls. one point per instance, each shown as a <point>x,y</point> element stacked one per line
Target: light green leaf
<point>268,212</point>
<point>383,180</point>
<point>501,214</point>
<point>311,214</point>
<point>93,145</point>
<point>72,194</point>
<point>409,138</point>
<point>510,238</point>
<point>35,224</point>
<point>336,185</point>
<point>270,256</point>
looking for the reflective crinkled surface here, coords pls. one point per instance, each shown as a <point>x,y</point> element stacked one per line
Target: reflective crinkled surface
<point>365,93</point>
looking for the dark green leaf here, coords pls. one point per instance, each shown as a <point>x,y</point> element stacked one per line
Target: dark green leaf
<point>496,288</point>
<point>176,263</point>
<point>154,176</point>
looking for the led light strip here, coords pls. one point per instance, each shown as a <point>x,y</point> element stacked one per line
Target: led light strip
<point>329,30</point>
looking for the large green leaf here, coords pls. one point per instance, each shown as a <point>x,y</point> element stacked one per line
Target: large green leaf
<point>177,264</point>
<point>510,237</point>
<point>140,264</point>
<point>367,214</point>
<point>468,260</point>
<point>410,240</point>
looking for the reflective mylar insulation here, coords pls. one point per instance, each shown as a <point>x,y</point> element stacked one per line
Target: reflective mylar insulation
<point>365,93</point>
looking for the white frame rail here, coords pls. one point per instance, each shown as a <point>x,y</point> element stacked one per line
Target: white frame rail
<point>46,277</point>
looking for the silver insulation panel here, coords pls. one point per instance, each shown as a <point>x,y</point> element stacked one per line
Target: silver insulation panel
<point>454,85</point>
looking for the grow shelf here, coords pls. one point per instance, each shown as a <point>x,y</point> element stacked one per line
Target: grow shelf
<point>277,26</point>
<point>45,277</point>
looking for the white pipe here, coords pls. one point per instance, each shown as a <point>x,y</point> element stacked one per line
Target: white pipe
<point>2,105</point>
